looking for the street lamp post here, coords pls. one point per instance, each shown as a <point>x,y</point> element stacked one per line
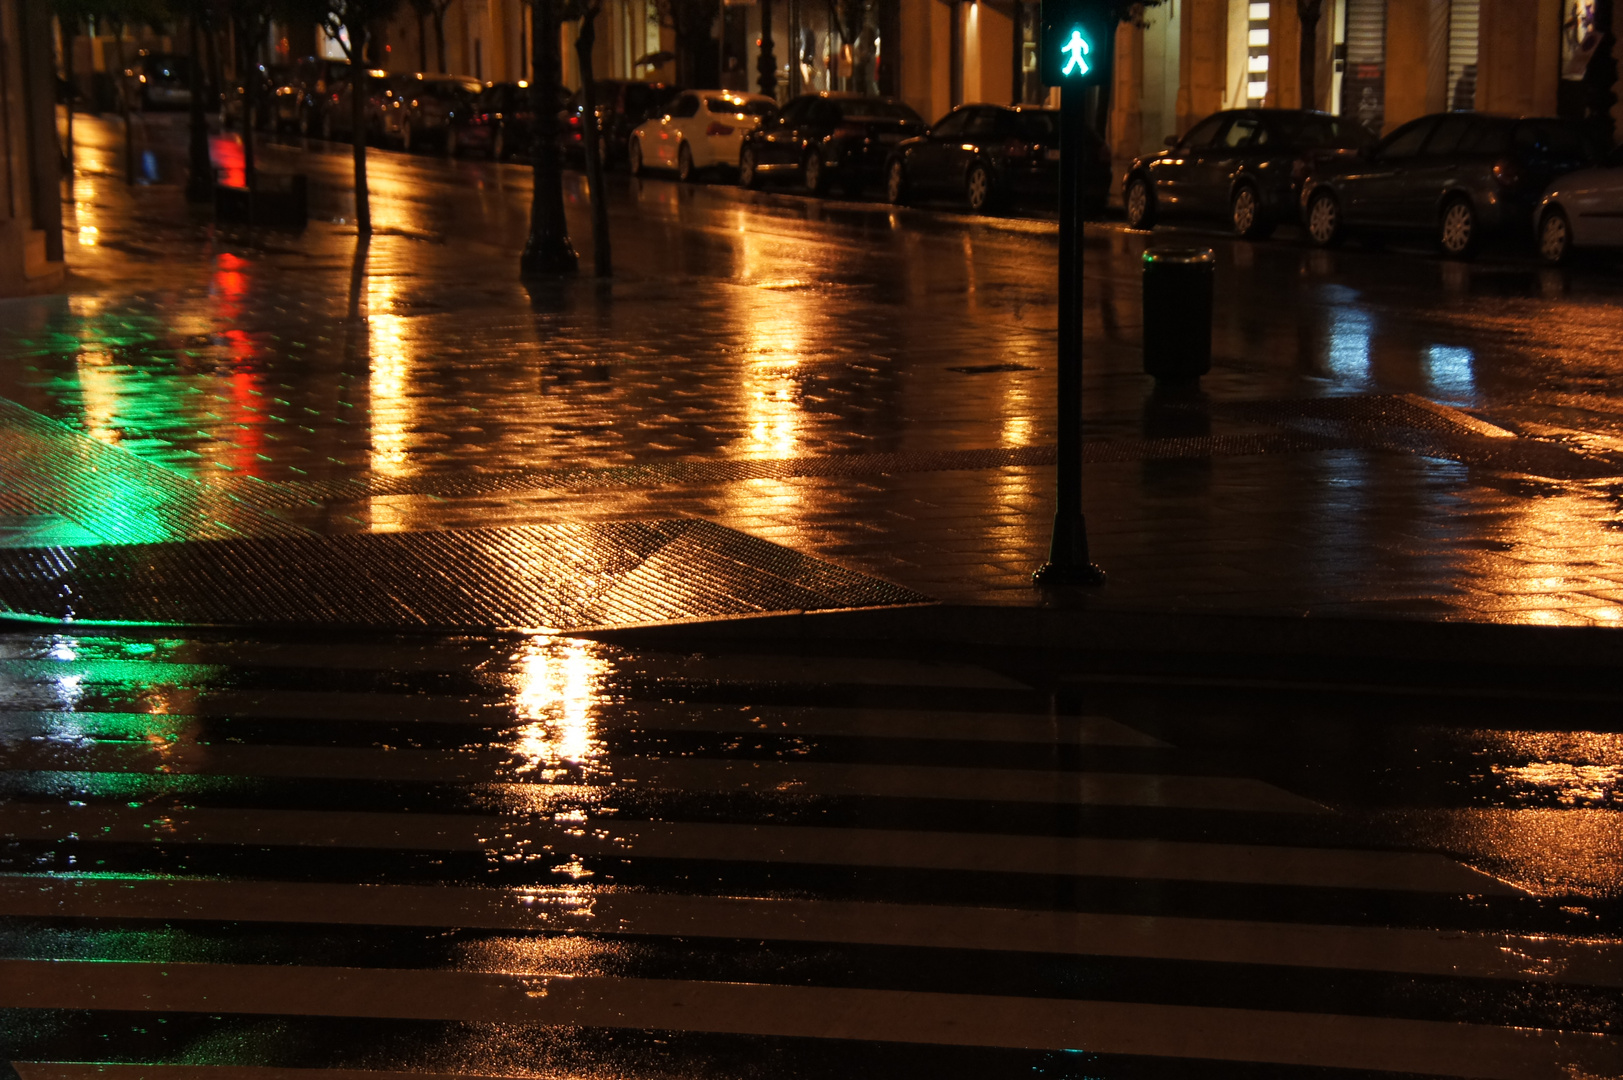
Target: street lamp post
<point>1076,43</point>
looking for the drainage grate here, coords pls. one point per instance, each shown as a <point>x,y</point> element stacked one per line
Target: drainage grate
<point>558,576</point>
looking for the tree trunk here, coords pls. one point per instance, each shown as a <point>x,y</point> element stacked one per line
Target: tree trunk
<point>359,82</point>
<point>1308,57</point>
<point>422,42</point>
<point>122,87</point>
<point>548,250</point>
<point>439,37</point>
<point>602,256</point>
<point>70,30</point>
<point>200,181</point>
<point>890,44</point>
<point>766,66</point>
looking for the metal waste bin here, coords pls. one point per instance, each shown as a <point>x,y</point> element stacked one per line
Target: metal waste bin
<point>1178,313</point>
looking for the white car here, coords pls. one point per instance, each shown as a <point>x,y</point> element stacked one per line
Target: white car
<point>701,129</point>
<point>1583,209</point>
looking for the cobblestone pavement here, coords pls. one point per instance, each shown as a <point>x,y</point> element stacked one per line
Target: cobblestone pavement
<point>1382,433</point>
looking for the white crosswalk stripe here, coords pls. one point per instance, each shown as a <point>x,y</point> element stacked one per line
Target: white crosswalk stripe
<point>481,841</point>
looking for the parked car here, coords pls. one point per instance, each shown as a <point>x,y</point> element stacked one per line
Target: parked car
<point>163,80</point>
<point>1243,164</point>
<point>622,104</point>
<point>989,156</point>
<point>421,109</point>
<point>828,138</point>
<point>699,130</point>
<point>337,110</point>
<point>296,98</point>
<point>1461,177</point>
<point>1583,209</point>
<point>501,122</point>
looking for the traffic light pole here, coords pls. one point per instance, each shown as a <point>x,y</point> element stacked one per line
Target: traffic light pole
<point>1068,562</point>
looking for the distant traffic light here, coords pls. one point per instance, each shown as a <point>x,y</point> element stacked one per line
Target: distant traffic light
<point>1077,42</point>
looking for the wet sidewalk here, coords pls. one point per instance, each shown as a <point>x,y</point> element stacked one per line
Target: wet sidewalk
<point>840,391</point>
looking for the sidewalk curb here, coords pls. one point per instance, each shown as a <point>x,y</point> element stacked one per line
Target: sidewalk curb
<point>1083,644</point>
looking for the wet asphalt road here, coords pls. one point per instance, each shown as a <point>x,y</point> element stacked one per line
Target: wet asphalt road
<point>1533,349</point>
<point>559,856</point>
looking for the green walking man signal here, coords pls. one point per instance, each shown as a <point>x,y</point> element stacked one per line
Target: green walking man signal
<point>1077,40</point>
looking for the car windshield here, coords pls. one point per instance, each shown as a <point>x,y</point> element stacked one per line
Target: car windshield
<point>1037,127</point>
<point>1321,131</point>
<point>735,107</point>
<point>877,110</point>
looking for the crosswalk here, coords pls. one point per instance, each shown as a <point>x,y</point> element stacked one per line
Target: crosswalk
<point>262,859</point>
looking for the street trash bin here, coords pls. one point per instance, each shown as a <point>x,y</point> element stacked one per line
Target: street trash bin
<point>1178,313</point>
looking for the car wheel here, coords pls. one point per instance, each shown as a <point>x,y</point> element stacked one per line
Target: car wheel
<point>1324,220</point>
<point>1140,204</point>
<point>896,183</point>
<point>1555,237</point>
<point>1457,228</point>
<point>748,175</point>
<point>811,173</point>
<point>684,164</point>
<point>1247,215</point>
<point>634,156</point>
<point>978,189</point>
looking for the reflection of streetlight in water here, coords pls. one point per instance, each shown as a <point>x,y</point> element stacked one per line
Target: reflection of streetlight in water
<point>560,683</point>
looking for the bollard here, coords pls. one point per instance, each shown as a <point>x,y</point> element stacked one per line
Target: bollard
<point>1178,313</point>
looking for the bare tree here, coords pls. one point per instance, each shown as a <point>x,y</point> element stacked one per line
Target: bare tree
<point>435,10</point>
<point>697,62</point>
<point>350,22</point>
<point>1307,13</point>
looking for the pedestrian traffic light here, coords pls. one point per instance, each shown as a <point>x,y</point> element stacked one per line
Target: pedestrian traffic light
<point>1077,42</point>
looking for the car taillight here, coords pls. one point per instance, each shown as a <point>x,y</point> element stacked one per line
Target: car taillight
<point>574,121</point>
<point>718,129</point>
<point>1017,149</point>
<point>1506,173</point>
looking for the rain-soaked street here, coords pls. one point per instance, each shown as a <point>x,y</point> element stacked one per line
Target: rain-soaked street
<point>404,669</point>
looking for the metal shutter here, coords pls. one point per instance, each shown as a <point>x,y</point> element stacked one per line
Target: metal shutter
<point>1463,20</point>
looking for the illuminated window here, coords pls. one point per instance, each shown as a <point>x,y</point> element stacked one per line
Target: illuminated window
<point>1256,41</point>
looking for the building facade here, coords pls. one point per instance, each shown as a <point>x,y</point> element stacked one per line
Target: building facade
<point>1379,62</point>
<point>30,156</point>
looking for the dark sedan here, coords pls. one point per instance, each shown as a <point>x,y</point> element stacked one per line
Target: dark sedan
<point>622,104</point>
<point>1246,164</point>
<point>298,96</point>
<point>1459,176</point>
<point>501,122</point>
<point>990,156</point>
<point>828,138</point>
<point>427,110</point>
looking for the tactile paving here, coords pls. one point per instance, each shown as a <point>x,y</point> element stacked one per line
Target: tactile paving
<point>52,471</point>
<point>566,576</point>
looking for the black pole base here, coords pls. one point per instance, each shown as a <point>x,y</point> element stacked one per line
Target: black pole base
<point>554,255</point>
<point>1065,575</point>
<point>1068,562</point>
